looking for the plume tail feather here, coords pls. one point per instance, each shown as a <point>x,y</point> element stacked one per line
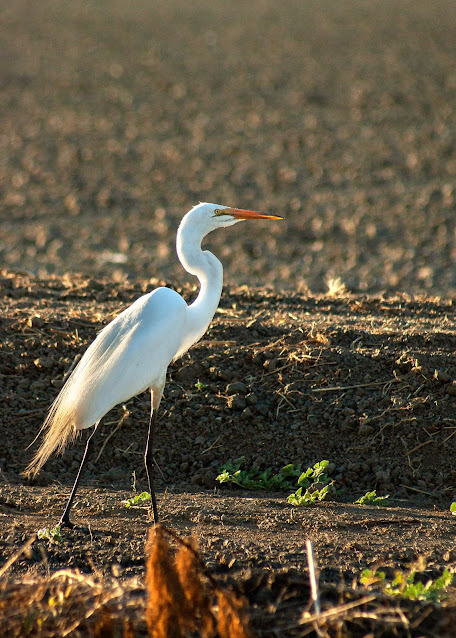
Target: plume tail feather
<point>59,430</point>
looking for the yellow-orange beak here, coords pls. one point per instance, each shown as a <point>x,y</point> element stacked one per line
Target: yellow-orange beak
<point>239,213</point>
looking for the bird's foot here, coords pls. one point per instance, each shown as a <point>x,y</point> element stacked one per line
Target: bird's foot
<point>65,522</point>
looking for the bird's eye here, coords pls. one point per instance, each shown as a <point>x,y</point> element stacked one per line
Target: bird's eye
<point>220,211</point>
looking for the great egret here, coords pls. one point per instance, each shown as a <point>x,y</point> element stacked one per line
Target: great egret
<point>132,353</point>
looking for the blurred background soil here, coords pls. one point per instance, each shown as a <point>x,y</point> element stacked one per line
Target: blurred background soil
<point>116,118</point>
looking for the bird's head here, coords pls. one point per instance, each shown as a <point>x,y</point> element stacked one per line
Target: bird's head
<point>197,223</point>
<point>214,216</point>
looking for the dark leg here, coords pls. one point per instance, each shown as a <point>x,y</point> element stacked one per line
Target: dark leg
<point>65,519</point>
<point>149,461</point>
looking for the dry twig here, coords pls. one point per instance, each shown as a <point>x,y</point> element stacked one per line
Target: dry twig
<point>340,388</point>
<point>111,434</point>
<point>12,559</point>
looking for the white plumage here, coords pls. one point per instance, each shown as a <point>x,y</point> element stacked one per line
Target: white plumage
<point>132,353</point>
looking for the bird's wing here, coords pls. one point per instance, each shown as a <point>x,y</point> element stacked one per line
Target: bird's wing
<point>129,355</point>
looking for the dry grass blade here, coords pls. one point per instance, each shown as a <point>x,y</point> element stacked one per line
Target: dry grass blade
<point>419,446</point>
<point>68,603</point>
<point>180,594</point>
<point>17,554</point>
<point>313,576</point>
<point>232,618</point>
<point>167,609</point>
<point>335,612</point>
<point>128,631</point>
<point>112,433</point>
<point>339,388</point>
<point>196,593</point>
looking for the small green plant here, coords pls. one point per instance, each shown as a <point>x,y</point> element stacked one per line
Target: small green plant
<point>312,484</point>
<point>52,535</point>
<point>286,479</point>
<point>404,584</point>
<point>313,475</point>
<point>453,508</point>
<point>139,499</point>
<point>315,484</point>
<point>200,387</point>
<point>253,479</point>
<point>371,498</point>
<point>309,497</point>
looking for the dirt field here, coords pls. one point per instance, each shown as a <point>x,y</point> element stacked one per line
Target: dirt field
<point>114,120</point>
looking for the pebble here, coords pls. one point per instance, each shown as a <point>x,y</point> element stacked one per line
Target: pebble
<point>382,475</point>
<point>442,376</point>
<point>237,387</point>
<point>419,405</point>
<point>262,409</point>
<point>189,373</point>
<point>451,389</point>
<point>247,413</point>
<point>44,362</point>
<point>35,322</point>
<point>237,402</point>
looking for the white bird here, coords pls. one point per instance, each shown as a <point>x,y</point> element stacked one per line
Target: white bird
<point>132,353</point>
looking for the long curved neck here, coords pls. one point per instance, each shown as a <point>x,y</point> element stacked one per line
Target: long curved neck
<point>208,269</point>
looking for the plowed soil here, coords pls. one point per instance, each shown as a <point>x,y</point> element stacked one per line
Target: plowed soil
<point>366,382</point>
<point>115,119</point>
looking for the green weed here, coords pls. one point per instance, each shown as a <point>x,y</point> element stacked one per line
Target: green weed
<point>287,478</point>
<point>453,508</point>
<point>313,481</point>
<point>404,584</point>
<point>253,479</point>
<point>200,387</point>
<point>52,535</point>
<point>139,499</point>
<point>308,498</point>
<point>371,498</point>
<point>315,474</point>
